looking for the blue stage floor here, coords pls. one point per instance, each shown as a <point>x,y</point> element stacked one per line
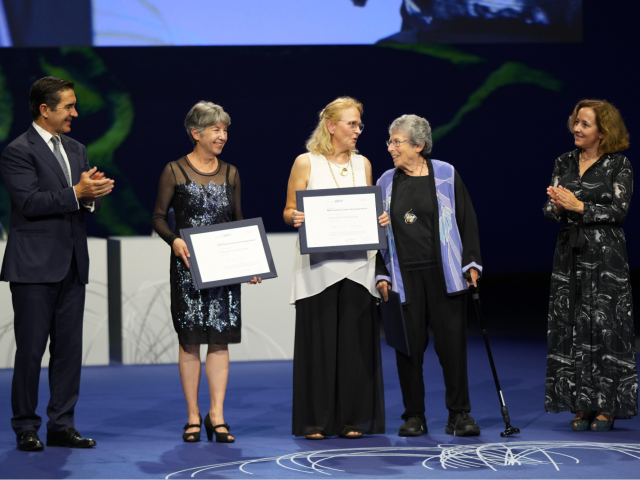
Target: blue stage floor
<point>136,414</point>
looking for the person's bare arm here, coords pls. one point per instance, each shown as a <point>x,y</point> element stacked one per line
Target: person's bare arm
<point>368,171</point>
<point>298,180</point>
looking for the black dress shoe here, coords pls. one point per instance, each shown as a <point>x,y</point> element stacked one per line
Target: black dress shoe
<point>413,427</point>
<point>68,438</point>
<point>461,425</point>
<point>29,441</point>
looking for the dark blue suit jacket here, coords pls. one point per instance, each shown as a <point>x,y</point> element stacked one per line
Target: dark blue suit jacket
<point>46,223</point>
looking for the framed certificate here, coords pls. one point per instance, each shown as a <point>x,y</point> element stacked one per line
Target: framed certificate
<point>341,219</point>
<point>228,253</point>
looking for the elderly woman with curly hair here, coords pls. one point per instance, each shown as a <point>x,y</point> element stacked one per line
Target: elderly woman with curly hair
<point>591,364</point>
<point>337,372</point>
<point>433,256</point>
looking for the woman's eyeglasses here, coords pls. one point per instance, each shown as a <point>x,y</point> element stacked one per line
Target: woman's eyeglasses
<point>354,125</point>
<point>396,143</point>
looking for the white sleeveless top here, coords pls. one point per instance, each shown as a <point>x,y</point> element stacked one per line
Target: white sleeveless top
<point>315,272</point>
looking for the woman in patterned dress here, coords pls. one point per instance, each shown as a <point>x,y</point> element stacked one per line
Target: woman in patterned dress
<point>203,190</point>
<point>591,365</point>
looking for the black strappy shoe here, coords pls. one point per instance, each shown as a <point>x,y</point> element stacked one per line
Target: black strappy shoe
<point>192,436</point>
<point>221,437</point>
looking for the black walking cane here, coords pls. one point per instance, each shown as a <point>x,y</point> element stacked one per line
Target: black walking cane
<point>503,407</point>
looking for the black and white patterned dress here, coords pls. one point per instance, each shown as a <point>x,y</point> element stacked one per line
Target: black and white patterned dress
<point>591,363</point>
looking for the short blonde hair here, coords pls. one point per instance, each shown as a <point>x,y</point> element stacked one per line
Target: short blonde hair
<point>320,140</point>
<point>609,121</point>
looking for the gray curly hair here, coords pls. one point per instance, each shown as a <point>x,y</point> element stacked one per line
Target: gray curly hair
<point>417,130</point>
<point>202,115</point>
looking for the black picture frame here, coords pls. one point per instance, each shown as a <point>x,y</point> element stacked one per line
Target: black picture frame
<point>381,244</point>
<point>186,234</point>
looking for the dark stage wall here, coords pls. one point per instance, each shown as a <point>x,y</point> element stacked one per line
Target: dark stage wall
<point>498,112</point>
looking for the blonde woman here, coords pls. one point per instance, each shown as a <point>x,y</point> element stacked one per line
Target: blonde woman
<point>337,373</point>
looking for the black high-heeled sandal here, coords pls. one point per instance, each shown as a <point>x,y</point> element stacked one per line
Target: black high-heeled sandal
<point>221,437</point>
<point>192,436</point>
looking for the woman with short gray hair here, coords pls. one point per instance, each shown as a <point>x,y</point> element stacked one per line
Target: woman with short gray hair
<point>433,257</point>
<point>417,130</point>
<point>202,115</point>
<point>202,190</point>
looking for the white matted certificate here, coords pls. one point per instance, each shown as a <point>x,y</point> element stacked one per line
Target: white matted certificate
<point>228,253</point>
<point>341,219</point>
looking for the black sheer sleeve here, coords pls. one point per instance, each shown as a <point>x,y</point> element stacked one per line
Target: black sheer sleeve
<point>237,193</point>
<point>467,226</point>
<point>166,190</point>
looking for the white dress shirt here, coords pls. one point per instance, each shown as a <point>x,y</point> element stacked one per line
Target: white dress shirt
<point>46,136</point>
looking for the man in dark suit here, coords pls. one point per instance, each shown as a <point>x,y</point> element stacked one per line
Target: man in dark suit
<point>46,261</point>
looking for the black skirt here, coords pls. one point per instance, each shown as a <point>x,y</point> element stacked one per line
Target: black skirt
<point>205,317</point>
<point>337,370</point>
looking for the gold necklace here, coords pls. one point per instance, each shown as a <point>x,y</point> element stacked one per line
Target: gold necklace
<point>343,169</point>
<point>353,175</point>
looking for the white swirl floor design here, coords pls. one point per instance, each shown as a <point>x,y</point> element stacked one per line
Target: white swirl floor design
<point>488,455</point>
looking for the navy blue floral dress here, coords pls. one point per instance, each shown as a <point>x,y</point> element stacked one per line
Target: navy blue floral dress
<point>198,199</point>
<point>591,362</point>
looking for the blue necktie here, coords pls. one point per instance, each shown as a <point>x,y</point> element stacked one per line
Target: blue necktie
<point>58,154</point>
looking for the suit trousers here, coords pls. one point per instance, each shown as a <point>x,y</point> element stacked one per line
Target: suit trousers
<point>42,311</point>
<point>431,306</point>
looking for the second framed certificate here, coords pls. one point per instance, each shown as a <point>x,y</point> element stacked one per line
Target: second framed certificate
<point>228,253</point>
<point>341,219</point>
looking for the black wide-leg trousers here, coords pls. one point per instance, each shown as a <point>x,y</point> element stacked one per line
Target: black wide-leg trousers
<point>337,369</point>
<point>43,311</point>
<point>431,306</point>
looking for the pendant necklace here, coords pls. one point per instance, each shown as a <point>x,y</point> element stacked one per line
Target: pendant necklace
<point>343,172</point>
<point>409,217</point>
<point>343,169</point>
